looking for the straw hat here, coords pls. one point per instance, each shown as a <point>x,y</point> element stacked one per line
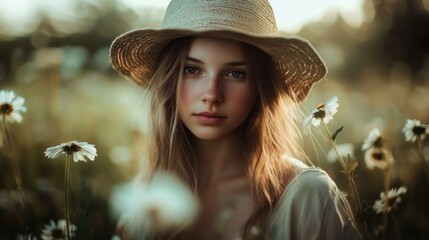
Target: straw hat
<point>135,53</point>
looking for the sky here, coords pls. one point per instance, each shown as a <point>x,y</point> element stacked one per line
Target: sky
<point>291,15</point>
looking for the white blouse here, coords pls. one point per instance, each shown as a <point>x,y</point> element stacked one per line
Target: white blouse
<point>312,207</point>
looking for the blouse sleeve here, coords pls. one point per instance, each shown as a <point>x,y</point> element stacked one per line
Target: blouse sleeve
<point>312,207</point>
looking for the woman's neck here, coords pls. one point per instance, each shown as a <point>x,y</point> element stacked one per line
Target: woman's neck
<point>219,160</point>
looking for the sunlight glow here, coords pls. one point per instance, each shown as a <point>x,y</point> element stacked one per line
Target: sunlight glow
<point>21,16</point>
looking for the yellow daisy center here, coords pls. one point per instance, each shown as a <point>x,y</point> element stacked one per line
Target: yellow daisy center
<point>6,108</point>
<point>320,114</point>
<point>417,130</point>
<point>72,148</point>
<point>379,156</point>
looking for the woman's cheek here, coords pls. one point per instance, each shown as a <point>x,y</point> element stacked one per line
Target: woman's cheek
<point>185,92</point>
<point>243,98</point>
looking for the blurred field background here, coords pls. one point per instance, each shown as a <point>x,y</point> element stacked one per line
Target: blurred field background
<point>379,69</point>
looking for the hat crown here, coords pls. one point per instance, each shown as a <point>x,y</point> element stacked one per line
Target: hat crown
<point>252,17</point>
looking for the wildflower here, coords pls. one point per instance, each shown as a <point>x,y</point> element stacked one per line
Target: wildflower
<point>386,204</point>
<point>345,150</point>
<point>57,231</point>
<point>163,204</point>
<point>324,112</point>
<point>376,155</point>
<point>11,106</point>
<point>79,150</point>
<point>374,139</point>
<point>28,236</point>
<point>414,130</point>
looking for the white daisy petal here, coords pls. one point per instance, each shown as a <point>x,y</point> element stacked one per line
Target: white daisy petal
<point>9,96</point>
<point>62,224</point>
<point>89,155</point>
<point>18,103</point>
<point>15,117</point>
<point>2,97</point>
<point>88,150</point>
<point>54,152</point>
<point>78,156</point>
<point>327,119</point>
<point>316,122</point>
<point>26,236</point>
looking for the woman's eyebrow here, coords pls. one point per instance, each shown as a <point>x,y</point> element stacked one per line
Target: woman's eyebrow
<point>191,59</point>
<point>236,63</point>
<point>233,63</point>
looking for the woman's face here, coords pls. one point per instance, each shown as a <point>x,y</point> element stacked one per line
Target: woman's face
<point>216,94</point>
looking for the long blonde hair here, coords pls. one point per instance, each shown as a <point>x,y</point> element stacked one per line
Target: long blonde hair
<point>270,130</point>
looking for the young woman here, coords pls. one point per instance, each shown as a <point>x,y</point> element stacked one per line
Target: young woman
<point>224,90</point>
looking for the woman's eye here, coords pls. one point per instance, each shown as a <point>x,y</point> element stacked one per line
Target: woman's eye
<point>236,74</point>
<point>191,70</point>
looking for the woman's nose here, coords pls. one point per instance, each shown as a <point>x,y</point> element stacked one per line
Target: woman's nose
<point>213,93</point>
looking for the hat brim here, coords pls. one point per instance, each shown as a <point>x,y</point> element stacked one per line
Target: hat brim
<point>135,53</point>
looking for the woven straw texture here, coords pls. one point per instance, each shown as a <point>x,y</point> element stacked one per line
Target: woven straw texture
<point>135,53</point>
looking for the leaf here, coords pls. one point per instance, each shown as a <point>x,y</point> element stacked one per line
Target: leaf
<point>335,134</point>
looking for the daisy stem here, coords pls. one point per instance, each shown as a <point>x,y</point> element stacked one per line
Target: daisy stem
<point>422,157</point>
<point>66,179</point>
<point>386,202</point>
<point>334,146</point>
<point>349,174</point>
<point>355,192</point>
<point>15,164</point>
<point>398,231</point>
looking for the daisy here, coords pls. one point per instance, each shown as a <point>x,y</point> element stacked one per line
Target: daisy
<point>11,106</point>
<point>392,200</point>
<point>163,204</point>
<point>79,150</point>
<point>374,139</point>
<point>414,130</point>
<point>379,158</point>
<point>26,237</point>
<point>57,231</point>
<point>376,155</point>
<point>324,112</point>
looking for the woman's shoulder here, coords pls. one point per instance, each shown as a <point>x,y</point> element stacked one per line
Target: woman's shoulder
<point>309,192</point>
<point>312,180</point>
<point>312,199</point>
<point>308,178</point>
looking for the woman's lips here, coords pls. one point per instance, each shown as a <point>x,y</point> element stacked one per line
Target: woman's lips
<point>210,118</point>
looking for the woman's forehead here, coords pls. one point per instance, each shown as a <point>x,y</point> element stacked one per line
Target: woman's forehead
<point>206,47</point>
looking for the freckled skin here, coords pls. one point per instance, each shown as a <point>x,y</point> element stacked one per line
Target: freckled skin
<point>212,82</point>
